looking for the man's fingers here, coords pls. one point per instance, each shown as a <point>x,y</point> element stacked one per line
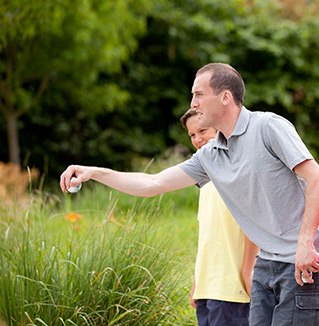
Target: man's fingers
<point>62,183</point>
<point>315,268</point>
<point>298,278</point>
<point>66,177</point>
<point>303,277</point>
<point>316,264</point>
<point>306,277</point>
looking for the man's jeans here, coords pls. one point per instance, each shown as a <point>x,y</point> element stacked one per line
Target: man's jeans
<point>277,299</point>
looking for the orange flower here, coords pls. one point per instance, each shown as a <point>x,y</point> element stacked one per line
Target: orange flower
<point>73,217</point>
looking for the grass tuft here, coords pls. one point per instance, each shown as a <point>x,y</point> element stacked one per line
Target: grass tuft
<point>80,261</point>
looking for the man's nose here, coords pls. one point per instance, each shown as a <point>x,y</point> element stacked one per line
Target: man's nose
<point>194,103</point>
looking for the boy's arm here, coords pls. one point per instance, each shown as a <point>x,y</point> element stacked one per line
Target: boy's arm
<point>191,300</point>
<point>136,184</point>
<point>250,253</point>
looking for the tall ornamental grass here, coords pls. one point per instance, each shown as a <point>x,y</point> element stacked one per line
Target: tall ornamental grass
<point>98,265</point>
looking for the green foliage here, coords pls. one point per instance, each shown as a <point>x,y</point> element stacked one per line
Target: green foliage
<point>123,267</point>
<point>276,55</point>
<point>71,41</point>
<point>69,48</point>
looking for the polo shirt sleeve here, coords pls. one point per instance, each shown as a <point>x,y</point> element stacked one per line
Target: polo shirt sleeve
<point>285,143</point>
<point>194,168</point>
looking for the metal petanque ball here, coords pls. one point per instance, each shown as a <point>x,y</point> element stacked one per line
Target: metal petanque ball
<point>73,190</point>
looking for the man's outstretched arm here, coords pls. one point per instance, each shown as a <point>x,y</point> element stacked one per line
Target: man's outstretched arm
<point>132,183</point>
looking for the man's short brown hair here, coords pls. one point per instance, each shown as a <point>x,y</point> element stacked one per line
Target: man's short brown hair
<point>225,77</point>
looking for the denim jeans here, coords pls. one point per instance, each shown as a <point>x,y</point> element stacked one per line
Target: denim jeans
<point>277,299</point>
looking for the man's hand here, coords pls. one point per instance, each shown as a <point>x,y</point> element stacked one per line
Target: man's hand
<point>79,174</point>
<point>306,260</point>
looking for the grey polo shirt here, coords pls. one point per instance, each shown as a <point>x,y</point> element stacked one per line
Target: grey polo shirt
<point>253,172</point>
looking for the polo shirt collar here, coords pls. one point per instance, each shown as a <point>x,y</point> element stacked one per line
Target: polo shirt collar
<point>242,122</point>
<point>240,128</point>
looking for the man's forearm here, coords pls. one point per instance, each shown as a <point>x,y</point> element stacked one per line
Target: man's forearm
<point>132,183</point>
<point>310,219</point>
<point>306,255</point>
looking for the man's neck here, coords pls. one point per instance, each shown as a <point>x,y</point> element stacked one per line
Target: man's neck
<point>229,121</point>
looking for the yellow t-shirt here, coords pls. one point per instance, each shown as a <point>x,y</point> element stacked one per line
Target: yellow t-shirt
<point>220,251</point>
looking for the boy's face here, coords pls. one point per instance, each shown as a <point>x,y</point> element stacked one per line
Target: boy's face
<point>199,136</point>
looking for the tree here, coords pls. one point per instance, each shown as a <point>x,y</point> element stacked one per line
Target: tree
<point>70,42</point>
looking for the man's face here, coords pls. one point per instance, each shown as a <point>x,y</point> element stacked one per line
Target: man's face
<point>207,104</point>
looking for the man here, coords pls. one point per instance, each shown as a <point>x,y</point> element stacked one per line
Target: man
<point>269,182</point>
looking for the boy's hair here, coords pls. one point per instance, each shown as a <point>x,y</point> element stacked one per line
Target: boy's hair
<point>190,113</point>
<point>225,77</point>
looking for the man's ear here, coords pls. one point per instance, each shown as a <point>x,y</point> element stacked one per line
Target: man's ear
<point>226,97</point>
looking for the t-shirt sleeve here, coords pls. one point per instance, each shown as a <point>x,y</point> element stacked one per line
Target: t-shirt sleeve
<point>194,168</point>
<point>285,143</point>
